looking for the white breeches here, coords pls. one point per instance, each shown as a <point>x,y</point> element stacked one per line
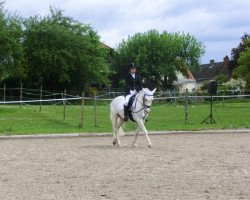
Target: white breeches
<point>128,97</point>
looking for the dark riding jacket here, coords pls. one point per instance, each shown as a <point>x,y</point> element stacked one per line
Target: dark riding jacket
<point>132,83</point>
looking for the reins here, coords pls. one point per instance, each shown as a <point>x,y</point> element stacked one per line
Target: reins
<point>144,106</point>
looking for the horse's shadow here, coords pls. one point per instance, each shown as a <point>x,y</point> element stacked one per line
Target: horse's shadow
<point>111,147</point>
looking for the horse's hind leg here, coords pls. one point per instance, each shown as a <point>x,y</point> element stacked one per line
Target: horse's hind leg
<point>119,130</point>
<point>113,118</point>
<point>116,123</point>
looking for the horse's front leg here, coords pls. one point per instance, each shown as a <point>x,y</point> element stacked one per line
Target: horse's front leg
<point>142,127</point>
<point>135,138</point>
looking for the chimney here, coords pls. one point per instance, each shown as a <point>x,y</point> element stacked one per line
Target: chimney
<point>226,61</point>
<point>212,62</point>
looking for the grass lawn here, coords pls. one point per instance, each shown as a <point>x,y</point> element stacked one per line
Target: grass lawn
<point>28,119</point>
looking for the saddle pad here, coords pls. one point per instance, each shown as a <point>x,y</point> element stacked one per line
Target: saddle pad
<point>130,103</point>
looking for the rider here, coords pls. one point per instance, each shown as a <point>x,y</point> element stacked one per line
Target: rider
<point>133,86</point>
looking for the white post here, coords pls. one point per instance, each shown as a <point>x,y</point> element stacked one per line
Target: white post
<point>81,122</point>
<point>95,114</point>
<point>186,107</point>
<point>64,105</point>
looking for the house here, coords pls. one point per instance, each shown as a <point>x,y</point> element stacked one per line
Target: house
<point>110,50</point>
<point>184,82</point>
<point>212,70</point>
<point>205,72</point>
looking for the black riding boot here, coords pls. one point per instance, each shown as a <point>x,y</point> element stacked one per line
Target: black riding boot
<point>125,113</point>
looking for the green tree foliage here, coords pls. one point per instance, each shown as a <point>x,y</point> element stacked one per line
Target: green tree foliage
<point>243,69</point>
<point>223,78</point>
<point>157,56</point>
<point>63,53</point>
<point>235,53</point>
<point>12,63</point>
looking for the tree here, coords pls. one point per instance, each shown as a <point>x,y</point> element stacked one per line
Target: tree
<point>63,53</point>
<point>158,56</point>
<point>243,69</point>
<point>235,53</point>
<point>12,62</point>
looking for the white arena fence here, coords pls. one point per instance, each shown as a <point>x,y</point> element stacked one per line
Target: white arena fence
<point>25,95</point>
<point>42,98</point>
<point>35,96</point>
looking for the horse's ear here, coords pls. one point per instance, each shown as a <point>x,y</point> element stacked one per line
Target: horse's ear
<point>154,90</point>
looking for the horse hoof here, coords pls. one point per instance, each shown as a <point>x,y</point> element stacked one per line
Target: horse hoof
<point>150,146</point>
<point>114,142</point>
<point>134,145</point>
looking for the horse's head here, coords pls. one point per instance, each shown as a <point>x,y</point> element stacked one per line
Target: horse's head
<point>148,98</point>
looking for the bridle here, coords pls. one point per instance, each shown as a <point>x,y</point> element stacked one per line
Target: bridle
<point>143,104</point>
<point>144,100</point>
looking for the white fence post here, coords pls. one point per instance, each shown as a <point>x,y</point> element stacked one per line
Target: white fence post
<point>81,122</point>
<point>186,107</point>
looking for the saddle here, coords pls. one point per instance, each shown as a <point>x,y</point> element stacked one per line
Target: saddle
<point>130,103</point>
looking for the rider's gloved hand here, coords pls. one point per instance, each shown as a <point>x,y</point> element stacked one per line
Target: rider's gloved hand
<point>132,92</point>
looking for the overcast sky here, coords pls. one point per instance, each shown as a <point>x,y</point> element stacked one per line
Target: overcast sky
<point>218,24</point>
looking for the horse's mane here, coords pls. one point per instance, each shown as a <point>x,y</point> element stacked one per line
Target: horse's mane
<point>147,91</point>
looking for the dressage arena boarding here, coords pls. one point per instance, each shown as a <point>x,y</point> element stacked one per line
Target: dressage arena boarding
<point>194,165</point>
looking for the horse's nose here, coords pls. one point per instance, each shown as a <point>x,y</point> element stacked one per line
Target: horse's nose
<point>148,110</point>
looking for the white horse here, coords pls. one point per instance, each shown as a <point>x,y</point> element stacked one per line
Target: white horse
<point>140,109</point>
